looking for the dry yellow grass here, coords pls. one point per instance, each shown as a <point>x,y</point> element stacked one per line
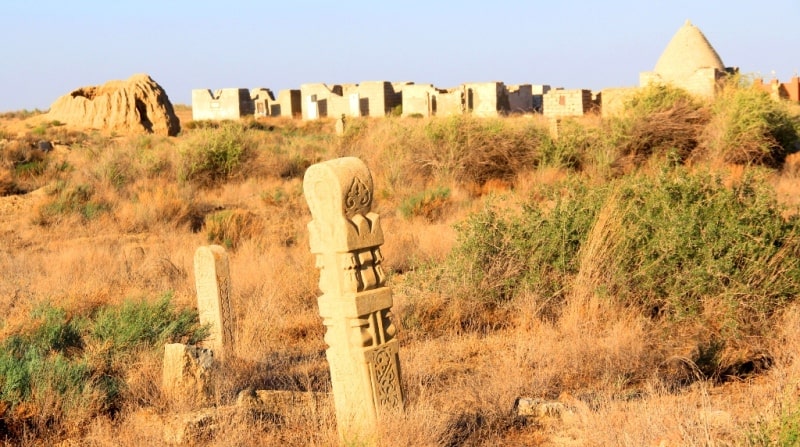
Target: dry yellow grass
<point>598,358</point>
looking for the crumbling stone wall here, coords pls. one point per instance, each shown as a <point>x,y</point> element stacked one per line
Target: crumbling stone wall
<point>419,100</point>
<point>380,97</point>
<point>262,101</point>
<point>560,103</point>
<point>370,98</point>
<point>612,100</point>
<point>287,104</point>
<point>520,98</point>
<point>486,98</point>
<point>450,102</point>
<point>781,90</point>
<point>316,99</point>
<point>538,92</point>
<point>222,104</point>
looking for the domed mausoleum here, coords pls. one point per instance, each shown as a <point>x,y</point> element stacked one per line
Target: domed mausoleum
<point>688,62</point>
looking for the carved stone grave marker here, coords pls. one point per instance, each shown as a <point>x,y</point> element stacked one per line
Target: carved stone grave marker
<point>345,237</point>
<point>213,282</point>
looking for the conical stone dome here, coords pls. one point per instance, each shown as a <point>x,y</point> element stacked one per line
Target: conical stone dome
<point>688,51</point>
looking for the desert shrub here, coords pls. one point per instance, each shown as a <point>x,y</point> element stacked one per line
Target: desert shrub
<point>71,200</point>
<point>63,367</point>
<point>499,255</point>
<point>139,323</point>
<point>210,156</point>
<point>232,227</point>
<point>24,167</point>
<point>287,151</point>
<point>658,121</point>
<point>21,114</point>
<point>473,150</point>
<point>429,204</point>
<point>690,252</point>
<point>682,247</point>
<point>683,240</point>
<point>569,149</point>
<point>749,127</point>
<point>782,429</point>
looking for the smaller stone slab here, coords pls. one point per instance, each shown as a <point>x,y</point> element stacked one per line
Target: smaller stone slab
<point>213,282</point>
<point>186,377</point>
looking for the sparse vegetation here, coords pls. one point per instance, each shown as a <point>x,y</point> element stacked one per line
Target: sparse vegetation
<point>429,204</point>
<point>60,370</point>
<point>213,155</point>
<point>640,269</point>
<point>748,127</point>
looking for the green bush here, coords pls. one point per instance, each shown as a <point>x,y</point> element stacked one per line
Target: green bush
<point>658,121</point>
<point>684,242</point>
<point>67,366</point>
<point>473,150</point>
<point>782,429</point>
<point>232,227</point>
<point>139,323</point>
<point>210,155</point>
<point>681,247</point>
<point>749,127</point>
<point>499,255</point>
<point>32,361</point>
<point>68,200</point>
<point>429,204</point>
<point>569,149</point>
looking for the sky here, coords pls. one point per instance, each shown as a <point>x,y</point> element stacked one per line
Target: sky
<point>50,47</point>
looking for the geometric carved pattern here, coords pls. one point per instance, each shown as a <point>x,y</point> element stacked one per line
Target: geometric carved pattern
<point>384,363</point>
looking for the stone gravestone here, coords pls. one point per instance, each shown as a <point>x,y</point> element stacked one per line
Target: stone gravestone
<point>340,125</point>
<point>186,377</point>
<point>345,237</point>
<point>213,282</point>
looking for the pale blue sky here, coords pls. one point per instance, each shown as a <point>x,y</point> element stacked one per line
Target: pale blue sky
<point>50,47</point>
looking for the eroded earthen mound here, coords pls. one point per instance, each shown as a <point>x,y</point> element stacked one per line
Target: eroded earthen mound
<point>138,104</point>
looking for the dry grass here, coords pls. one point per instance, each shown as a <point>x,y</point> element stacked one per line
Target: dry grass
<point>605,362</point>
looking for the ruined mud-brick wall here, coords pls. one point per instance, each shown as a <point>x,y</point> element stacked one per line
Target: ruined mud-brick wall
<point>315,99</point>
<point>486,98</point>
<point>418,100</point>
<point>520,98</point>
<point>379,98</point>
<point>262,101</point>
<point>287,104</point>
<point>222,104</point>
<point>783,90</point>
<point>346,102</point>
<point>558,103</point>
<point>538,92</point>
<point>137,104</point>
<point>371,98</point>
<point>449,102</point>
<point>612,100</point>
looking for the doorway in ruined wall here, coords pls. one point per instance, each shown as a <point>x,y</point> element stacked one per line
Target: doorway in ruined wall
<point>261,108</point>
<point>431,104</point>
<point>470,100</point>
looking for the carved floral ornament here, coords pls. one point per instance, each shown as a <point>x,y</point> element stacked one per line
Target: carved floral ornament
<point>338,188</point>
